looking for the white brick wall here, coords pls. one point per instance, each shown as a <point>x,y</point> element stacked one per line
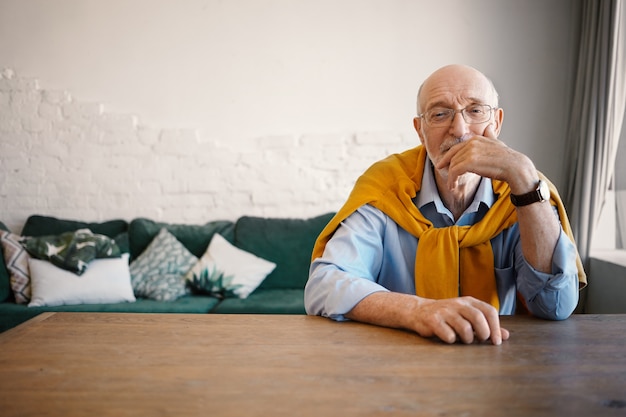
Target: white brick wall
<point>63,157</point>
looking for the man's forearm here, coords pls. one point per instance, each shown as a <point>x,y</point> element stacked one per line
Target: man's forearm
<point>389,309</point>
<point>539,233</point>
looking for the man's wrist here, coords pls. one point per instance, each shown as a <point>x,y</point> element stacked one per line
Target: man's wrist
<point>540,193</point>
<point>524,179</point>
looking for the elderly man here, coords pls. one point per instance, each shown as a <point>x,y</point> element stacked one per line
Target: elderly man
<point>443,238</point>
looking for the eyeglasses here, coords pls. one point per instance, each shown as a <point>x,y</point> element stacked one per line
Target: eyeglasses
<point>439,116</point>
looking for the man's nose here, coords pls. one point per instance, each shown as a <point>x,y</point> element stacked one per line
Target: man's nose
<point>458,126</point>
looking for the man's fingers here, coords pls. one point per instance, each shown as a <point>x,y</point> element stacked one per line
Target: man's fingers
<point>445,333</point>
<point>491,320</point>
<point>484,321</point>
<point>505,333</point>
<point>490,132</point>
<point>464,319</point>
<point>464,328</point>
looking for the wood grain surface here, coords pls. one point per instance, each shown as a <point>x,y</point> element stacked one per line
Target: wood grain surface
<point>112,364</point>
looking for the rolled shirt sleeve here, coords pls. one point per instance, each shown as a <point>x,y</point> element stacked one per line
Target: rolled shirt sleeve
<point>347,271</point>
<point>551,296</point>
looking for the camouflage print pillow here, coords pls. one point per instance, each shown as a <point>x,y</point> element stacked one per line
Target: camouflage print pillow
<point>72,250</point>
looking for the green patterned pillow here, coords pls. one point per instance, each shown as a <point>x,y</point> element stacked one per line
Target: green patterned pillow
<point>72,251</point>
<point>159,272</point>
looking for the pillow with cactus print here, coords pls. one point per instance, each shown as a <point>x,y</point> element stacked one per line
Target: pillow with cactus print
<point>227,271</point>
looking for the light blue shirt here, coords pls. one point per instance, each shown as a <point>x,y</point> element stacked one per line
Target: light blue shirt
<point>369,253</point>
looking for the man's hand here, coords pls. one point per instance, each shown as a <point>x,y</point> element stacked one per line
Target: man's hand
<point>489,157</point>
<point>466,318</point>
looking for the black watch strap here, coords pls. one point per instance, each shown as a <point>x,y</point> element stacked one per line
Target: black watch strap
<point>540,193</point>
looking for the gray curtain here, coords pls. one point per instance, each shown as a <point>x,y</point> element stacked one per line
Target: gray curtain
<point>596,117</point>
<point>619,185</point>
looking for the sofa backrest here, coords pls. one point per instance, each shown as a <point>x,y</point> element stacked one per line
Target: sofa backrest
<point>37,225</point>
<point>286,242</point>
<point>196,238</point>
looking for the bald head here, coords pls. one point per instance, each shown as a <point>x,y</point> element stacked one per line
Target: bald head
<point>456,80</point>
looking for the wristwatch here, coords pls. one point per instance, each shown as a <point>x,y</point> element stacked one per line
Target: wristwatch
<point>541,193</point>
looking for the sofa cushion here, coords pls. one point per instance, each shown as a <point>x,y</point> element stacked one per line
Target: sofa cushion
<point>105,281</point>
<point>37,225</point>
<point>5,283</point>
<point>159,272</point>
<point>275,301</point>
<point>227,271</point>
<point>14,314</point>
<point>286,242</point>
<point>196,238</point>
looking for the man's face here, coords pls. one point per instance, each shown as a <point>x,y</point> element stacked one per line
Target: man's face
<point>454,88</point>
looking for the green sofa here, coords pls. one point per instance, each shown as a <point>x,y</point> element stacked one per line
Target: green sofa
<point>285,241</point>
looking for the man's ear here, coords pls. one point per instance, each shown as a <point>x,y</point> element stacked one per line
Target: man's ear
<point>417,124</point>
<point>498,118</point>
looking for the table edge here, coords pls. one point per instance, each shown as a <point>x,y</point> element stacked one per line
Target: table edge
<point>23,327</point>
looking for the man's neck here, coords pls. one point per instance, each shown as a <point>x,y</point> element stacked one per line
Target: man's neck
<point>458,199</point>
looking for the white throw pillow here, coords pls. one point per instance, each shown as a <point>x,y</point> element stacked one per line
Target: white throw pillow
<point>238,272</point>
<point>104,281</point>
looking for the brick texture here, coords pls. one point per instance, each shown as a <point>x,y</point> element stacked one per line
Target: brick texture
<point>63,157</point>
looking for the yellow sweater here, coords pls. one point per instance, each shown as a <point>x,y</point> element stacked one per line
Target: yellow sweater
<point>451,260</point>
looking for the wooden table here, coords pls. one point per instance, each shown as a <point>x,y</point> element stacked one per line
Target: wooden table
<point>84,364</point>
